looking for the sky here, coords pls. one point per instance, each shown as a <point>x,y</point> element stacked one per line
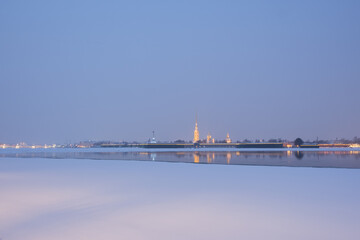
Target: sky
<point>117,70</point>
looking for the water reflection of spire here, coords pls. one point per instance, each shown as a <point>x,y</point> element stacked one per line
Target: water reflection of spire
<point>196,158</point>
<point>153,156</point>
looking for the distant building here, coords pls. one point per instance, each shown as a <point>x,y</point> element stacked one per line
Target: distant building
<point>228,140</point>
<point>153,140</point>
<point>196,133</point>
<point>208,138</point>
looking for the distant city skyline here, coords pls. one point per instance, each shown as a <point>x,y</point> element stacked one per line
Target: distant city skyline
<point>73,71</point>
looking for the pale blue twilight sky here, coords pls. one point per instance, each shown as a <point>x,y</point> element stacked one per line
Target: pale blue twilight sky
<point>79,70</point>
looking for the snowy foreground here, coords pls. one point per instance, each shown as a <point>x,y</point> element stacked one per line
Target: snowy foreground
<point>45,199</point>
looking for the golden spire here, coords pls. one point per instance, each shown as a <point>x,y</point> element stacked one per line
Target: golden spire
<point>196,132</point>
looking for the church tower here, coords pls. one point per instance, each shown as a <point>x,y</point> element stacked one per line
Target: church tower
<point>228,140</point>
<point>208,138</point>
<point>196,133</point>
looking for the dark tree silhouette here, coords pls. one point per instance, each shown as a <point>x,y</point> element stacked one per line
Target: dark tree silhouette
<point>298,142</point>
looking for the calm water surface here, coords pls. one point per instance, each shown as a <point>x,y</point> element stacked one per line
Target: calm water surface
<point>60,194</point>
<point>338,158</point>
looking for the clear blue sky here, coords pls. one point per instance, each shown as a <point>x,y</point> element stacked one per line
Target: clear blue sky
<point>78,70</point>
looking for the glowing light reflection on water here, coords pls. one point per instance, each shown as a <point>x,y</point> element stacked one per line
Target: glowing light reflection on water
<point>280,157</point>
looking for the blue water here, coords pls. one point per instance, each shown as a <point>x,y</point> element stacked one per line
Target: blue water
<point>328,158</point>
<point>47,198</point>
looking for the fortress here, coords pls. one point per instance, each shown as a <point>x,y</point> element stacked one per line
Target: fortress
<point>209,139</point>
<point>209,143</point>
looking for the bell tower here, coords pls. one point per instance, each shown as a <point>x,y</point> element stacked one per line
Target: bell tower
<point>228,139</point>
<point>196,132</point>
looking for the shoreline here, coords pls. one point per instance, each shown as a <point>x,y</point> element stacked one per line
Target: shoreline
<point>55,150</point>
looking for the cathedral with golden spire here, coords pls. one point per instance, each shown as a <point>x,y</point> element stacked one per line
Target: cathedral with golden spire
<point>196,133</point>
<point>209,138</point>
<point>228,139</point>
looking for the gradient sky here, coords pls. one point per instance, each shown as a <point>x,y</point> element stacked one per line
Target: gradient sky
<point>95,70</point>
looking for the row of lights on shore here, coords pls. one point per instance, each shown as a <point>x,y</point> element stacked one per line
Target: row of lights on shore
<point>17,146</point>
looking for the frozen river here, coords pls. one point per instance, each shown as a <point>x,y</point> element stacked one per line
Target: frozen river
<point>65,194</point>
